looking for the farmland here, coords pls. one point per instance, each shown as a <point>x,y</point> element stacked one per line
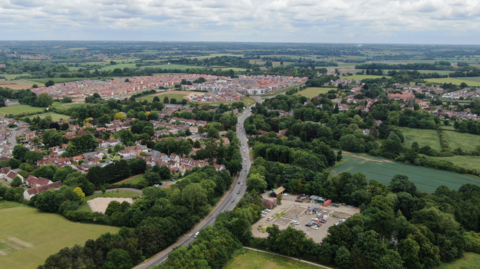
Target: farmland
<point>468,261</point>
<point>422,137</point>
<point>28,236</point>
<point>456,81</point>
<point>111,194</point>
<point>174,66</point>
<point>246,259</point>
<point>467,162</point>
<point>360,77</point>
<point>314,91</point>
<point>462,140</point>
<point>121,66</point>
<point>15,110</point>
<point>383,170</point>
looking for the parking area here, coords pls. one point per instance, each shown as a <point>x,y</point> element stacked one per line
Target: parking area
<point>297,215</point>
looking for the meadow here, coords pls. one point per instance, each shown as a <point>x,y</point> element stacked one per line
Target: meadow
<point>383,170</point>
<point>19,109</point>
<point>469,261</point>
<point>248,259</point>
<point>467,162</point>
<point>28,236</point>
<point>314,91</point>
<point>456,81</point>
<point>55,116</point>
<point>422,137</point>
<point>462,140</point>
<point>175,66</point>
<point>121,66</point>
<point>112,194</point>
<point>361,77</point>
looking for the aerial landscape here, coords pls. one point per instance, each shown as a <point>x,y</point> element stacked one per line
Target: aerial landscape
<point>280,134</point>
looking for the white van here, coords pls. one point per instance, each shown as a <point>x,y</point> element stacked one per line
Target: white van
<point>196,234</point>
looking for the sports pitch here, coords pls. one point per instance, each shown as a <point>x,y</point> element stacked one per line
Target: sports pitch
<point>28,236</point>
<point>383,170</point>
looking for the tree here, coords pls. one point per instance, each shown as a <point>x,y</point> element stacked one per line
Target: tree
<point>279,199</point>
<point>339,155</point>
<point>156,99</point>
<point>16,182</point>
<point>52,138</point>
<point>45,171</point>
<point>66,99</point>
<point>119,116</point>
<point>194,197</point>
<point>256,182</point>
<point>126,136</point>
<point>44,100</point>
<point>289,242</point>
<point>49,83</point>
<point>409,250</point>
<point>81,196</point>
<point>49,201</point>
<point>19,152</point>
<point>400,183</point>
<point>152,178</point>
<point>342,258</point>
<point>165,100</point>
<point>118,259</point>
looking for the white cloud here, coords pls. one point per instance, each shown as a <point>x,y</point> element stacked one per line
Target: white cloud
<point>244,20</point>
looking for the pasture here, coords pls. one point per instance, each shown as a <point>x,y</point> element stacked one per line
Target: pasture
<point>17,84</point>
<point>246,259</point>
<point>467,162</point>
<point>174,66</point>
<point>383,170</point>
<point>314,91</point>
<point>121,66</point>
<point>468,261</point>
<point>456,81</point>
<point>422,137</point>
<point>28,236</point>
<point>112,194</point>
<point>462,140</point>
<point>361,77</point>
<point>15,110</point>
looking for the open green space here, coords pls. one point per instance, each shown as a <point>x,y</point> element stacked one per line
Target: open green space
<point>314,91</point>
<point>422,136</point>
<point>249,259</point>
<point>15,110</point>
<point>61,105</point>
<point>64,80</point>
<point>214,55</point>
<point>179,95</point>
<point>468,261</point>
<point>13,76</point>
<point>6,204</point>
<point>456,81</point>
<point>467,162</point>
<point>28,236</point>
<point>115,66</point>
<point>131,180</point>
<point>383,170</point>
<point>175,66</point>
<point>360,77</point>
<point>55,116</point>
<point>462,140</point>
<point>112,194</point>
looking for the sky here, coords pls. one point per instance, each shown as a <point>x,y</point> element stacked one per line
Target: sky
<point>316,21</point>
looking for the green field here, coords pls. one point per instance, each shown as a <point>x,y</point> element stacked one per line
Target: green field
<point>214,55</point>
<point>64,80</point>
<point>467,162</point>
<point>121,66</point>
<point>360,77</point>
<point>28,236</point>
<point>469,261</point>
<point>55,116</point>
<point>13,76</point>
<point>131,180</point>
<point>179,95</point>
<point>456,81</point>
<point>15,110</point>
<point>462,140</point>
<point>249,259</point>
<point>422,137</point>
<point>314,91</point>
<point>383,170</point>
<point>112,194</point>
<point>175,66</point>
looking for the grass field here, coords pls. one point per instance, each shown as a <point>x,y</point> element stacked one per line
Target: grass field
<point>383,170</point>
<point>13,76</point>
<point>469,261</point>
<point>28,236</point>
<point>249,259</point>
<point>314,91</point>
<point>55,116</point>
<point>131,180</point>
<point>175,66</point>
<point>456,81</point>
<point>19,109</point>
<point>215,55</point>
<point>5,205</point>
<point>422,137</point>
<point>115,194</point>
<point>121,66</point>
<point>64,80</point>
<point>179,95</point>
<point>467,162</point>
<point>360,77</point>
<point>462,140</point>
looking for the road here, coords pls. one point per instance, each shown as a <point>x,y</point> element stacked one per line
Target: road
<point>228,203</point>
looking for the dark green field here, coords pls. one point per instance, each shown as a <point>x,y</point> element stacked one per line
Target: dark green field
<point>383,170</point>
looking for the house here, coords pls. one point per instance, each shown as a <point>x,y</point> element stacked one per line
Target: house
<point>9,174</point>
<point>268,203</point>
<point>34,182</point>
<point>28,194</point>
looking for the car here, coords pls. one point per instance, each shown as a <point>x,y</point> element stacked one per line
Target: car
<point>270,218</point>
<point>315,227</point>
<point>268,210</point>
<point>314,219</point>
<point>238,192</point>
<point>173,180</point>
<point>245,170</point>
<point>308,225</point>
<point>233,200</point>
<point>196,234</point>
<point>323,221</point>
<point>284,194</point>
<point>243,150</point>
<point>242,183</point>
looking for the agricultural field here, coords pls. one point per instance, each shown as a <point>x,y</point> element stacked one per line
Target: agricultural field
<point>131,180</point>
<point>422,137</point>
<point>467,162</point>
<point>174,66</point>
<point>64,80</point>
<point>314,91</point>
<point>28,236</point>
<point>13,76</point>
<point>247,259</point>
<point>470,260</point>
<point>17,84</point>
<point>215,55</point>
<point>360,77</point>
<point>383,170</point>
<point>121,66</point>
<point>112,194</point>
<point>456,81</point>
<point>179,95</point>
<point>462,140</point>
<point>15,110</point>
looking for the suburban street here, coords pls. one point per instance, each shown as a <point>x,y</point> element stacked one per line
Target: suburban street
<point>226,204</point>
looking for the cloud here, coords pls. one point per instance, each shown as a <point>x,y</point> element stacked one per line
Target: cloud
<point>245,20</point>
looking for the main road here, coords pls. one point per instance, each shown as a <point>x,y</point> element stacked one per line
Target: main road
<point>226,204</point>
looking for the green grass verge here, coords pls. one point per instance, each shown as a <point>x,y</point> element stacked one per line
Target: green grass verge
<point>249,259</point>
<point>113,194</point>
<point>314,91</point>
<point>383,170</point>
<point>469,261</point>
<point>47,233</point>
<point>462,140</point>
<point>422,136</point>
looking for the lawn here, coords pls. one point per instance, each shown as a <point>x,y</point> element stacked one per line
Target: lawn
<point>179,95</point>
<point>462,140</point>
<point>5,205</point>
<point>15,110</point>
<point>17,84</point>
<point>422,136</point>
<point>383,170</point>
<point>55,116</point>
<point>249,259</point>
<point>42,234</point>
<point>469,261</point>
<point>314,91</point>
<point>456,81</point>
<point>113,194</point>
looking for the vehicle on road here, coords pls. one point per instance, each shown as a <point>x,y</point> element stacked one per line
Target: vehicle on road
<point>233,200</point>
<point>242,183</point>
<point>196,234</point>
<point>238,192</point>
<point>173,180</point>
